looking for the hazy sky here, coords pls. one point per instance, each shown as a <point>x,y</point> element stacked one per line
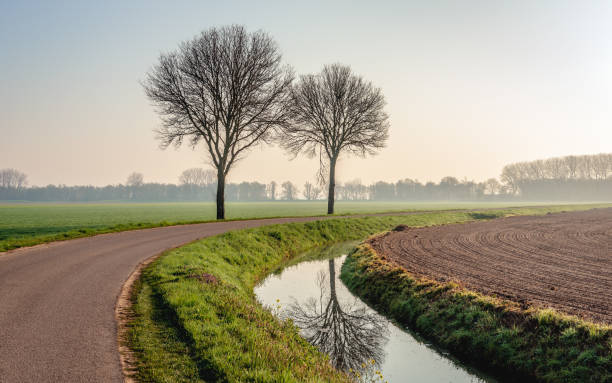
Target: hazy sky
<point>470,85</point>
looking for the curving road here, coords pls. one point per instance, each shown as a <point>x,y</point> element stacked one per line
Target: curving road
<point>57,301</point>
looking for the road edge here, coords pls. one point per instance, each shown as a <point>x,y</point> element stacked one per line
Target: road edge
<point>123,315</point>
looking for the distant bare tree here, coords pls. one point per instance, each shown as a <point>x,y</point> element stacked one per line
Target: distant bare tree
<point>511,177</point>
<point>198,177</point>
<point>572,166</point>
<point>311,191</point>
<point>585,167</point>
<point>308,190</point>
<point>602,166</point>
<point>13,179</point>
<point>135,179</point>
<point>290,191</point>
<point>226,88</point>
<point>556,168</point>
<point>334,112</point>
<point>492,186</point>
<point>271,190</point>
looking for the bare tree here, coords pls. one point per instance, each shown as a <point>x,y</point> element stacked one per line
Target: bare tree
<point>290,191</point>
<point>198,177</point>
<point>311,191</point>
<point>556,168</point>
<point>585,167</point>
<point>602,166</point>
<point>308,190</point>
<point>335,112</point>
<point>511,177</point>
<point>492,186</point>
<point>135,179</point>
<point>572,166</point>
<point>271,189</point>
<point>13,179</point>
<point>225,88</point>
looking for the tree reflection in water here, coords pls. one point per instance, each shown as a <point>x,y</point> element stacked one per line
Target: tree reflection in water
<point>352,335</point>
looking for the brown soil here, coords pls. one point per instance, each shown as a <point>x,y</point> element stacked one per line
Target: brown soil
<point>562,261</point>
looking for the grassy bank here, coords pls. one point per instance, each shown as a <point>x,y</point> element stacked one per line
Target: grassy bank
<point>27,224</point>
<point>498,336</point>
<point>196,316</point>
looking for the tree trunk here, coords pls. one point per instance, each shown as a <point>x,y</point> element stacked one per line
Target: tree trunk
<point>220,195</point>
<point>332,280</point>
<point>332,186</point>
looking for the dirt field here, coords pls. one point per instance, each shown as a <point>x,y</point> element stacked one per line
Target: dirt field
<point>562,260</point>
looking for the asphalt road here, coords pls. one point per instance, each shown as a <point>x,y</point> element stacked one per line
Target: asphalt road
<point>57,301</point>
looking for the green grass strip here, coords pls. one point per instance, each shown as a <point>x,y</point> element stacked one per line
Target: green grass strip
<point>496,335</point>
<point>156,336</point>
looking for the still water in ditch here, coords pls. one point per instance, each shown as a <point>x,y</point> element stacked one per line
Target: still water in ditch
<point>357,339</point>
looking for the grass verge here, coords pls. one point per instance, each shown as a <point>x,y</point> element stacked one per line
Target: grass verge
<point>497,335</point>
<point>37,239</point>
<point>196,316</point>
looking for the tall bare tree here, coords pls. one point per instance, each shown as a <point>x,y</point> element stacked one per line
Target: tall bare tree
<point>225,88</point>
<point>335,112</point>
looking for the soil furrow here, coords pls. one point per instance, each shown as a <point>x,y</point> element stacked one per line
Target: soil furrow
<point>562,261</point>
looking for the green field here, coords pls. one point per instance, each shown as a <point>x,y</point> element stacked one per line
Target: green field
<point>26,224</point>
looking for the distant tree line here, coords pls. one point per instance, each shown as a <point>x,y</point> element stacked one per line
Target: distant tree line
<point>571,178</point>
<point>587,177</point>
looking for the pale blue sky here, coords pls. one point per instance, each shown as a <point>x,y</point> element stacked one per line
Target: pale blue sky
<point>470,85</point>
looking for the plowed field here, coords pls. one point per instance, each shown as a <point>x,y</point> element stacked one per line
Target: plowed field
<point>562,261</point>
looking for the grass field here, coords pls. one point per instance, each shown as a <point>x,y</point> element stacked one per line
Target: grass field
<point>26,224</point>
